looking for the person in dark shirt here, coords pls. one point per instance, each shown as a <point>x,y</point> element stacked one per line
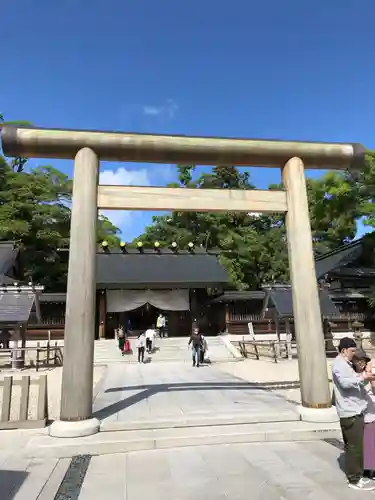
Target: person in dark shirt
<point>195,342</point>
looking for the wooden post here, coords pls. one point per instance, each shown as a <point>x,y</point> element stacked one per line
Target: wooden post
<point>37,308</point>
<point>288,339</point>
<point>23,344</point>
<point>24,400</point>
<point>227,318</point>
<point>315,393</point>
<point>102,315</point>
<point>42,404</point>
<point>37,356</point>
<point>266,300</point>
<point>48,352</point>
<point>7,399</point>
<point>276,345</point>
<point>77,378</point>
<point>16,354</point>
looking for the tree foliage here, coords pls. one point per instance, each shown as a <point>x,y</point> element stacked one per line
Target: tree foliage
<point>253,248</point>
<point>35,213</point>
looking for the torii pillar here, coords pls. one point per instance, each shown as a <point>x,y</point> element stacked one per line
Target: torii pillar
<point>312,365</point>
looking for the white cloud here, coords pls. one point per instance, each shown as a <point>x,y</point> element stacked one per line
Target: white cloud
<point>152,110</point>
<point>123,177</point>
<point>167,110</point>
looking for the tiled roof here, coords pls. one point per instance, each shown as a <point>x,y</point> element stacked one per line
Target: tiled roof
<point>164,269</point>
<point>52,297</point>
<point>234,296</point>
<point>337,258</point>
<point>282,300</point>
<point>8,256</point>
<point>5,280</point>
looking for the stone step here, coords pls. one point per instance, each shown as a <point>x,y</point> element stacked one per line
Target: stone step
<point>137,440</point>
<point>202,419</point>
<point>171,349</point>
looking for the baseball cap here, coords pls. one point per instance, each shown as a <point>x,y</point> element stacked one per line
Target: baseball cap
<point>361,354</point>
<point>347,343</point>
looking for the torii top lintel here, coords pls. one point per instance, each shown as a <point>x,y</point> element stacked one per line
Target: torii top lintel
<point>33,142</point>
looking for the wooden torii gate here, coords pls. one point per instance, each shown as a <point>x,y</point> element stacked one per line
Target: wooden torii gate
<point>87,148</point>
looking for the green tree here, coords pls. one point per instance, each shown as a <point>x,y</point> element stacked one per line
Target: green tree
<point>366,190</point>
<point>252,248</point>
<point>334,210</point>
<point>366,186</point>
<point>35,213</point>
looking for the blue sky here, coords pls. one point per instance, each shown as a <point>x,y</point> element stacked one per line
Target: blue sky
<point>272,69</point>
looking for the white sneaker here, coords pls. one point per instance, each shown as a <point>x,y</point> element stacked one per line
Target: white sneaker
<point>362,484</point>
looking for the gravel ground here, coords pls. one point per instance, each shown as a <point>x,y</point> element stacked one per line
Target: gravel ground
<point>53,385</point>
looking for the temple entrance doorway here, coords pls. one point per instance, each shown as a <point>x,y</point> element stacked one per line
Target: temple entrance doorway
<point>142,318</point>
<point>133,322</point>
<point>140,309</point>
<point>178,323</point>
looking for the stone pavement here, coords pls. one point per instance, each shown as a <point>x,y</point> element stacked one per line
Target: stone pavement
<point>169,405</point>
<point>151,395</point>
<point>266,471</point>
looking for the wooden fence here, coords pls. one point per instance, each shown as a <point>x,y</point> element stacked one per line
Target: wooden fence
<point>52,356</point>
<point>276,349</point>
<point>22,420</point>
<point>45,356</point>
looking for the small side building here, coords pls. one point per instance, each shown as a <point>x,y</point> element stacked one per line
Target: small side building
<point>348,273</point>
<point>268,309</point>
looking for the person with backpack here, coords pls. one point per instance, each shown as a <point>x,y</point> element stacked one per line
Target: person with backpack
<point>196,341</point>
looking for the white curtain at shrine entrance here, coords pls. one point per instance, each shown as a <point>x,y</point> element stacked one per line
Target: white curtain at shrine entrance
<point>166,300</point>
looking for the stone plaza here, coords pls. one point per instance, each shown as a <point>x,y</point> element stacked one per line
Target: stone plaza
<point>172,431</point>
<point>264,471</point>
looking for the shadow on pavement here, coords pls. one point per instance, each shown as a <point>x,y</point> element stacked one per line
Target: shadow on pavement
<point>146,391</point>
<point>10,482</point>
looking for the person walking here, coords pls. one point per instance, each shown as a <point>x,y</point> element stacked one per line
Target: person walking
<point>121,340</point>
<point>195,342</point>
<point>150,337</point>
<point>141,344</point>
<point>362,363</point>
<point>351,403</point>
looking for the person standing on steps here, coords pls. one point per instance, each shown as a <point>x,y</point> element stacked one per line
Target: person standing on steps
<point>195,342</point>
<point>160,325</point>
<point>141,345</point>
<point>362,362</point>
<point>351,403</point>
<point>121,340</point>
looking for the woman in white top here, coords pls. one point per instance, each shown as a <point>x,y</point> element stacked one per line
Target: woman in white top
<point>150,337</point>
<point>362,363</point>
<point>141,344</point>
